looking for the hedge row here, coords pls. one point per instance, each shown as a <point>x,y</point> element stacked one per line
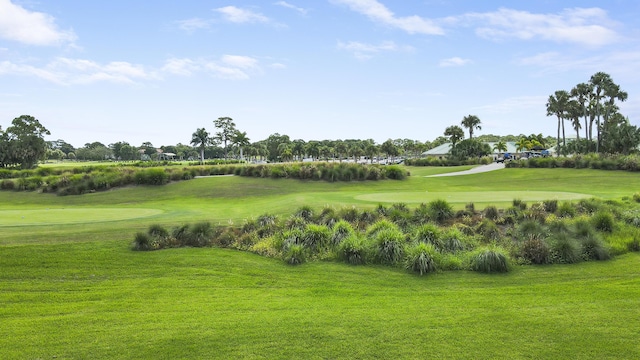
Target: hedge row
<point>430,161</point>
<point>77,181</point>
<point>589,161</point>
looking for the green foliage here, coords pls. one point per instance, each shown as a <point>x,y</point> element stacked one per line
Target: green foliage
<point>380,225</point>
<point>151,176</point>
<point>491,212</point>
<point>428,234</point>
<point>341,230</point>
<point>420,258</point>
<point>440,210</point>
<point>142,242</point>
<point>389,246</point>
<point>566,209</point>
<point>295,255</point>
<point>316,237</point>
<point>565,249</point>
<point>535,250</point>
<point>594,249</point>
<point>353,250</point>
<point>490,260</point>
<point>603,221</point>
<point>488,229</point>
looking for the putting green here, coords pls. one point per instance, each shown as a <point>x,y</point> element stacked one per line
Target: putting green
<point>471,196</point>
<point>32,217</point>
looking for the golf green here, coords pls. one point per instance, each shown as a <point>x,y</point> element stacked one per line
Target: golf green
<point>470,196</point>
<point>34,217</point>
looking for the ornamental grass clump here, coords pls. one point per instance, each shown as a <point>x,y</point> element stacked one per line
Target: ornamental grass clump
<point>295,255</point>
<point>490,260</point>
<point>353,250</point>
<point>593,248</point>
<point>341,230</point>
<point>428,234</point>
<point>142,242</point>
<point>535,250</point>
<point>565,249</point>
<point>420,258</point>
<point>603,221</point>
<point>316,237</point>
<point>440,210</point>
<point>389,246</point>
<point>490,212</point>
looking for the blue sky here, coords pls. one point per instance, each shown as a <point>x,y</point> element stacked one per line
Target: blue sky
<point>156,71</point>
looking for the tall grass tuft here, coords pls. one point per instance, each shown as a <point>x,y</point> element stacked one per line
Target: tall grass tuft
<point>341,230</point>
<point>353,250</point>
<point>593,248</point>
<point>389,246</point>
<point>142,242</point>
<point>440,210</point>
<point>428,234</point>
<point>490,260</point>
<point>566,210</point>
<point>490,212</point>
<point>565,249</point>
<point>421,258</point>
<point>603,221</point>
<point>536,251</point>
<point>316,237</point>
<point>295,255</point>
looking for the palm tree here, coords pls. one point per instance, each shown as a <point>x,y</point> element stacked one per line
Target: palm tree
<point>574,110</point>
<point>455,134</point>
<point>581,94</point>
<point>523,144</point>
<point>557,105</point>
<point>370,150</point>
<point>201,139</point>
<point>599,82</point>
<point>240,140</point>
<point>471,122</point>
<point>500,147</point>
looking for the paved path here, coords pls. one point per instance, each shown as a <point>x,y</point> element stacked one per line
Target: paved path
<point>475,170</point>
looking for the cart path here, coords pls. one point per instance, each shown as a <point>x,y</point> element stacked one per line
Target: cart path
<point>475,170</point>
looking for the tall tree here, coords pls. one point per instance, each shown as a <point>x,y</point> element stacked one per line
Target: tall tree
<point>240,140</point>
<point>26,141</point>
<point>200,139</point>
<point>581,94</point>
<point>599,82</point>
<point>500,147</point>
<point>471,122</point>
<point>226,129</point>
<point>455,134</point>
<point>557,105</point>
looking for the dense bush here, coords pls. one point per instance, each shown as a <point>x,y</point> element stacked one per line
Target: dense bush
<point>593,161</point>
<point>449,161</point>
<point>421,258</point>
<point>490,260</point>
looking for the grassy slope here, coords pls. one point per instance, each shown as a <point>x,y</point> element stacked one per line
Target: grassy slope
<point>80,296</point>
<point>101,300</point>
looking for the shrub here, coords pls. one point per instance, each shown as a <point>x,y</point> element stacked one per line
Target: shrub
<point>453,240</point>
<point>305,212</point>
<point>566,209</point>
<point>428,234</point>
<point>200,234</point>
<point>395,172</point>
<point>157,230</point>
<point>488,260</point>
<point>389,246</point>
<point>353,250</point>
<point>518,203</point>
<point>349,214</point>
<point>636,197</point>
<point>440,210</point>
<point>535,250</point>
<point>565,249</point>
<point>421,258</point>
<point>488,229</point>
<point>295,255</point>
<point>142,242</point>
<point>550,206</point>
<point>603,221</point>
<point>151,176</point>
<point>490,212</point>
<point>341,230</point>
<point>316,237</point>
<point>594,249</point>
<point>380,225</point>
<point>531,229</point>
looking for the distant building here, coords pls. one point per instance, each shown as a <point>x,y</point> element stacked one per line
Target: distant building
<point>442,151</point>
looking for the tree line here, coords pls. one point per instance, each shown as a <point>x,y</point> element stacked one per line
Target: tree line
<point>593,107</point>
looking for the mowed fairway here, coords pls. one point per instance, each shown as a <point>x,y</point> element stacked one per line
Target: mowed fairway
<point>70,287</point>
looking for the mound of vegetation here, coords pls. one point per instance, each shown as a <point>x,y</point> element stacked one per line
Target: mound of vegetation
<point>80,180</point>
<point>588,161</point>
<point>429,238</point>
<point>449,161</point>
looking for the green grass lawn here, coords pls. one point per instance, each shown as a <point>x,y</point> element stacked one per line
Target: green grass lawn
<point>70,287</point>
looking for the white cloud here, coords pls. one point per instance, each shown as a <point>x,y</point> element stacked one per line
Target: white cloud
<point>237,15</point>
<point>591,27</point>
<point>238,61</point>
<point>30,27</point>
<point>454,61</point>
<point>364,51</point>
<point>232,67</point>
<point>623,64</point>
<point>65,71</point>
<point>278,66</point>
<point>293,7</point>
<point>191,25</point>
<point>377,12</point>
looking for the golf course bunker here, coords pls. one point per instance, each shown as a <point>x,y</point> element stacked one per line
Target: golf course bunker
<point>471,196</point>
<point>62,216</point>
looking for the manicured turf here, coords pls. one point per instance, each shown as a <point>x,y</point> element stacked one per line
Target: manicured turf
<point>29,217</point>
<point>72,288</point>
<point>101,300</point>
<point>476,196</point>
